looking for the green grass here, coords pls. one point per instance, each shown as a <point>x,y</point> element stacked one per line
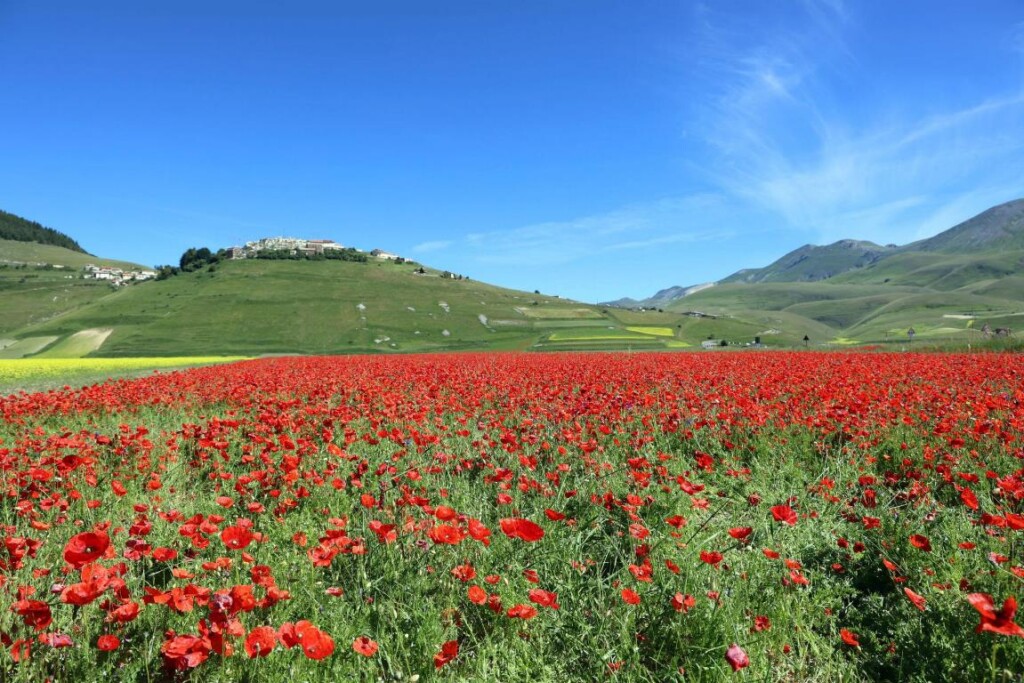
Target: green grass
<point>939,271</point>
<point>77,345</point>
<point>597,333</point>
<point>33,253</point>
<point>288,307</point>
<point>268,307</point>
<point>26,347</point>
<point>31,294</point>
<point>259,307</point>
<point>557,312</point>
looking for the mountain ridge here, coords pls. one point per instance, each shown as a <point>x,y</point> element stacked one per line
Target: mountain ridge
<point>999,228</point>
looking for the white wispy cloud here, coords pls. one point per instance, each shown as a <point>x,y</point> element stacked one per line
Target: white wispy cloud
<point>431,246</point>
<point>784,139</point>
<point>639,226</point>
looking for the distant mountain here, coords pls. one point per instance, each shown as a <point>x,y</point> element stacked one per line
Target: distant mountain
<point>811,263</point>
<point>997,229</point>
<point>20,229</point>
<point>663,296</point>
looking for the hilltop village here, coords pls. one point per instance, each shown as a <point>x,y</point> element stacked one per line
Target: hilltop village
<point>298,247</point>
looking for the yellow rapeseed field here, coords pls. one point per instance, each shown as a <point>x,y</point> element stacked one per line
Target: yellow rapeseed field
<point>32,369</point>
<point>656,331</point>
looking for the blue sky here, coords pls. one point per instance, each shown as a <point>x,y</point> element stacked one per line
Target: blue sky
<point>588,148</point>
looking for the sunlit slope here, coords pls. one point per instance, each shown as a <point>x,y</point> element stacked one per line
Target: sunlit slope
<point>39,282</point>
<point>32,253</point>
<point>938,271</point>
<point>255,307</point>
<point>869,312</point>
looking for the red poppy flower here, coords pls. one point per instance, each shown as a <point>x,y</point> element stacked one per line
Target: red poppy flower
<point>523,529</point>
<point>163,554</point>
<point>918,601</point>
<point>287,635</point>
<point>522,611</point>
<point>236,537</point>
<point>544,598</point>
<point>446,534</point>
<point>449,651</point>
<point>921,542</point>
<point>124,613</point>
<point>1000,622</point>
<point>683,603</point>
<point>445,513</point>
<point>260,641</point>
<point>464,572</point>
<point>677,521</point>
<point>784,514</point>
<point>554,515</point>
<point>35,613</point>
<point>86,547</point>
<point>364,646</point>
<point>385,532</point>
<point>712,558</point>
<point>736,657</point>
<point>315,643</point>
<point>477,595</point>
<point>479,532</point>
<point>56,640</point>
<point>108,643</point>
<point>185,651</point>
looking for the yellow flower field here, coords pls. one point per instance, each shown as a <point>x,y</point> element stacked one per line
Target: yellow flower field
<point>34,369</point>
<point>656,331</point>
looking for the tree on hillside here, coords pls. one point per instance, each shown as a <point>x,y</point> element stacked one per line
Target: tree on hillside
<point>19,229</point>
<point>196,259</point>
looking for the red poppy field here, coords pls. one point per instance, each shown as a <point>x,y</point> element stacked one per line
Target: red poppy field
<point>643,517</point>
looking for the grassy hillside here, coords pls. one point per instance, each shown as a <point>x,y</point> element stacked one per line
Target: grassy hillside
<point>849,292</point>
<point>258,307</point>
<point>39,282</point>
<point>33,254</point>
<point>946,287</point>
<point>944,272</point>
<point>811,263</point>
<point>846,313</point>
<point>999,228</point>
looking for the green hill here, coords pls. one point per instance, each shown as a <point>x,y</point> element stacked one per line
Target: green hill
<point>252,307</point>
<point>41,281</point>
<point>13,253</point>
<point>845,293</point>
